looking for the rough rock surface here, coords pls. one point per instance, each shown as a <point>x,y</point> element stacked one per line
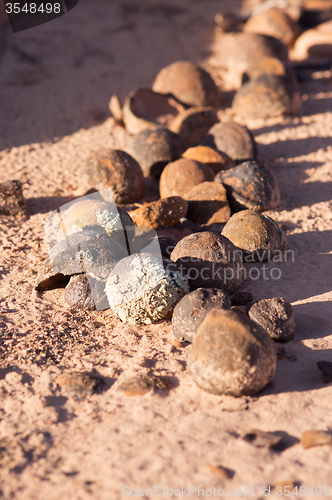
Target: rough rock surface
<point>180,176</point>
<point>276,316</point>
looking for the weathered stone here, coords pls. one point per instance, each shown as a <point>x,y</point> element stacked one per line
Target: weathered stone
<point>263,439</point>
<point>193,308</point>
<point>210,260</point>
<point>276,316</point>
<point>315,438</point>
<point>179,177</point>
<point>193,124</point>
<point>81,384</point>
<point>231,354</point>
<point>216,160</point>
<point>207,203</point>
<point>12,201</point>
<point>257,236</point>
<point>274,22</point>
<point>84,292</point>
<point>161,213</point>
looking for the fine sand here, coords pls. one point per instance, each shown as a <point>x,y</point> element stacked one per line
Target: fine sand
<point>56,81</point>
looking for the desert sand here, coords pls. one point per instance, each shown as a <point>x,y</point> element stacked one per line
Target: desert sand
<point>56,81</point>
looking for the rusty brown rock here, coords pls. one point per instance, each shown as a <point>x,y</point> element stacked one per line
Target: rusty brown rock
<point>207,203</point>
<point>193,124</point>
<point>267,96</point>
<point>154,148</point>
<point>141,384</point>
<point>233,139</point>
<point>210,261</point>
<point>115,169</point>
<point>276,316</point>
<point>161,213</point>
<point>217,160</point>
<point>315,438</point>
<point>250,185</point>
<point>12,201</point>
<point>257,236</point>
<point>179,177</point>
<point>81,384</point>
<point>189,83</point>
<point>193,308</point>
<point>231,355</point>
<point>274,22</point>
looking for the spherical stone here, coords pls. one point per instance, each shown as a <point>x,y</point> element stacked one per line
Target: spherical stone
<point>144,109</point>
<point>276,316</point>
<point>210,261</point>
<point>161,213</point>
<point>207,203</point>
<point>115,169</point>
<point>231,354</point>
<point>180,176</point>
<point>257,236</point>
<point>274,22</point>
<point>216,160</point>
<point>250,185</point>
<point>193,308</point>
<point>189,83</point>
<point>102,216</point>
<point>193,124</point>
<point>267,96</point>
<point>142,289</point>
<point>233,139</point>
<point>154,148</point>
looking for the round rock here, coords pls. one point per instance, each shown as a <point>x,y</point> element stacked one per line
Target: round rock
<point>257,236</point>
<point>154,148</point>
<point>233,139</point>
<point>115,169</point>
<point>179,177</point>
<point>210,261</point>
<point>267,96</point>
<point>193,124</point>
<point>250,185</point>
<point>78,293</point>
<point>189,83</point>
<point>142,289</point>
<point>161,213</point>
<point>276,316</point>
<point>207,203</point>
<point>192,309</point>
<point>231,354</point>
<point>217,160</point>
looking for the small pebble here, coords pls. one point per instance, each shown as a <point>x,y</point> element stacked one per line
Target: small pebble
<point>221,472</point>
<point>257,236</point>
<point>267,96</point>
<point>142,289</point>
<point>274,22</point>
<point>179,177</point>
<point>231,355</point>
<point>153,149</point>
<point>12,201</point>
<point>208,204</point>
<point>190,84</point>
<point>81,384</point>
<point>315,438</point>
<point>250,185</point>
<point>276,316</point>
<point>326,368</point>
<point>141,384</point>
<point>216,160</point>
<point>234,140</point>
<point>193,124</point>
<point>161,213</point>
<point>117,170</point>
<point>192,309</point>
<point>263,439</point>
<point>78,293</point>
<point>210,261</point>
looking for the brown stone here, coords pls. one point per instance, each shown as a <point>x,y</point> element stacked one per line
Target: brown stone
<point>193,124</point>
<point>221,472</point>
<point>276,316</point>
<point>315,438</point>
<point>268,65</point>
<point>267,96</point>
<point>250,185</point>
<point>141,384</point>
<point>257,236</point>
<point>217,160</point>
<point>193,308</point>
<point>12,201</point>
<point>85,292</point>
<point>161,213</point>
<point>263,439</point>
<point>207,203</point>
<point>189,83</point>
<point>231,355</point>
<point>179,177</point>
<point>274,22</point>
<point>154,148</point>
<point>233,139</point>
<point>117,170</point>
<point>81,384</point>
<point>210,261</point>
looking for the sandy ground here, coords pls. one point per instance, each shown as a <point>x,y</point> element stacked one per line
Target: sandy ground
<point>55,83</point>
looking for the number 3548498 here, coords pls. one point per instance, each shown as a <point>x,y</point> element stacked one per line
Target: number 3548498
<point>33,8</point>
